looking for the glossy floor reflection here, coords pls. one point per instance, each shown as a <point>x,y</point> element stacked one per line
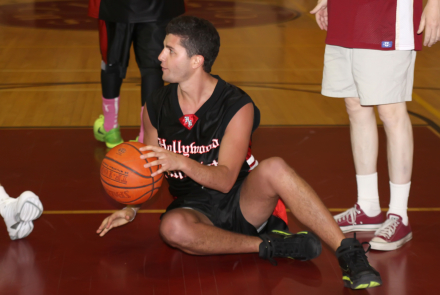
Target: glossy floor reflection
<point>63,255</point>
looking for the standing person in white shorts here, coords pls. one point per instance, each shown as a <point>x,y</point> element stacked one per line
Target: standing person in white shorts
<point>369,60</point>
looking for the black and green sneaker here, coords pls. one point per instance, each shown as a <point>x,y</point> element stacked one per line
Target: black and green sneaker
<point>357,273</point>
<point>301,246</point>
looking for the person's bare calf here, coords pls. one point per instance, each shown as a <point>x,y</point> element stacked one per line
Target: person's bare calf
<point>274,178</point>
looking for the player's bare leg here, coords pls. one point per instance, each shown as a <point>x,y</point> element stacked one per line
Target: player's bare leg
<point>400,144</point>
<point>273,179</point>
<point>396,231</point>
<point>363,134</point>
<point>193,233</point>
<point>366,215</point>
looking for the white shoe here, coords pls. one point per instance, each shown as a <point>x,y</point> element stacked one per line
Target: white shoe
<point>18,214</point>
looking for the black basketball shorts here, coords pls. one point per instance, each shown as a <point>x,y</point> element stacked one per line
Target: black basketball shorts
<point>116,39</point>
<point>224,211</point>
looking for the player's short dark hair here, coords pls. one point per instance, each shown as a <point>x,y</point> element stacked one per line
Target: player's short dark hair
<point>198,37</point>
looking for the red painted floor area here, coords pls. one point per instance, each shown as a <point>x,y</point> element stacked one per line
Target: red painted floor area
<point>63,255</point>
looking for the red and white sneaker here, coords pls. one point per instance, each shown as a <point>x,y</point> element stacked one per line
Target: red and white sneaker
<point>355,219</point>
<point>392,235</point>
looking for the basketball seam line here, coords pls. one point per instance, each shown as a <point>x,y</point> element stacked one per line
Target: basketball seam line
<point>151,171</point>
<point>124,186</point>
<point>135,172</point>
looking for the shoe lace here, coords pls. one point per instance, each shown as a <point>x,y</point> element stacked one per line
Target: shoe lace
<point>389,227</point>
<point>267,241</point>
<point>349,215</point>
<point>280,247</point>
<point>357,254</point>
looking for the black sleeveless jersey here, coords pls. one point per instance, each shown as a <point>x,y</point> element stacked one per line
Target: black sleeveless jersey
<point>198,136</point>
<point>139,11</point>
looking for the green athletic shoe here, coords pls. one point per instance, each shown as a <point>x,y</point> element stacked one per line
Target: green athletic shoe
<point>111,138</point>
<point>135,140</point>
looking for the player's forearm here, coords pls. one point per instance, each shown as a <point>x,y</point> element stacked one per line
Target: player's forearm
<point>435,1</point>
<point>433,4</point>
<point>214,177</point>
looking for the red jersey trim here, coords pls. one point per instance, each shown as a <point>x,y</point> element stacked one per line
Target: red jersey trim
<point>94,8</point>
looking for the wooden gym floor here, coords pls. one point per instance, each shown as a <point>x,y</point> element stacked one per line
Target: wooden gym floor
<point>50,96</point>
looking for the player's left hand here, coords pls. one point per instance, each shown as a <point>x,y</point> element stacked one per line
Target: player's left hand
<point>430,23</point>
<point>167,160</point>
<point>118,218</point>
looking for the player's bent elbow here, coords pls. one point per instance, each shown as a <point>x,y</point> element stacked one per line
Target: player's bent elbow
<point>225,180</point>
<point>226,188</point>
<point>226,185</point>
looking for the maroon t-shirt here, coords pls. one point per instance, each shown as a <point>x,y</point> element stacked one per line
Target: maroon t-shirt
<point>375,24</point>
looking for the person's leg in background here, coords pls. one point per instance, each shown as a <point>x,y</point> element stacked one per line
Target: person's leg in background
<point>392,74</point>
<point>366,214</point>
<point>106,127</point>
<point>148,44</point>
<point>396,230</point>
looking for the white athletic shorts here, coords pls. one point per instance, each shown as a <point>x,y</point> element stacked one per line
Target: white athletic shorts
<point>375,76</point>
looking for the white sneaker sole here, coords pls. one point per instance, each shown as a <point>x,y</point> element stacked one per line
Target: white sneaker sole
<point>24,229</point>
<point>360,227</point>
<point>29,206</point>
<point>383,246</point>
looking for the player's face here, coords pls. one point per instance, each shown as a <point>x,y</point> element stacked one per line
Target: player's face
<point>175,63</point>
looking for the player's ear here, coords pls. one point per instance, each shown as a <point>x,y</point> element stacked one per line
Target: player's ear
<point>197,61</point>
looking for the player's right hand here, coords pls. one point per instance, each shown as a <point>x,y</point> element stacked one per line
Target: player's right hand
<point>321,14</point>
<point>118,218</point>
<point>430,23</point>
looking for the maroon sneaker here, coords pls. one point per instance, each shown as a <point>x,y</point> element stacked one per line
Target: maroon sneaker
<point>354,219</point>
<point>392,234</point>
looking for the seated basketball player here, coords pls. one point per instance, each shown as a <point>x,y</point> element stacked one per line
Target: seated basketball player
<point>18,213</point>
<point>199,127</point>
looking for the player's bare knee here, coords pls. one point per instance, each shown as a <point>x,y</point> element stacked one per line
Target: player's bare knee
<point>274,167</point>
<point>173,229</point>
<point>392,115</point>
<point>355,109</point>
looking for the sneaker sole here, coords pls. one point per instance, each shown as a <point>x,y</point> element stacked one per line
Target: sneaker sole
<point>24,229</point>
<point>359,227</point>
<point>364,282</point>
<point>29,206</point>
<point>391,246</point>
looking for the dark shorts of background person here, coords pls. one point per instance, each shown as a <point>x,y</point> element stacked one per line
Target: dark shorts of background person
<point>116,40</point>
<point>224,211</point>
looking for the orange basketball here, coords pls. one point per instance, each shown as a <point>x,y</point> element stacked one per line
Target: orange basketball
<point>124,177</point>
